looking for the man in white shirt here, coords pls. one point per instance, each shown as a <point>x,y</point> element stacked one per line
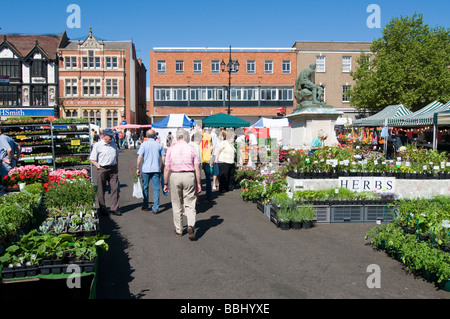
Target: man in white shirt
<point>105,157</point>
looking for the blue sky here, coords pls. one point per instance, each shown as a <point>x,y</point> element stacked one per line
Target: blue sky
<point>213,23</point>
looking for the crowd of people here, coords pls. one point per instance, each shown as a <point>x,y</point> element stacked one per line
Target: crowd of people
<point>175,168</point>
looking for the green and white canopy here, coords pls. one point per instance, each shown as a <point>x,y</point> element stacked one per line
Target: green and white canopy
<point>423,117</point>
<point>443,117</point>
<point>379,119</point>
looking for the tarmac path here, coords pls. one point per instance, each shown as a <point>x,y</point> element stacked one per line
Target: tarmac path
<point>240,254</point>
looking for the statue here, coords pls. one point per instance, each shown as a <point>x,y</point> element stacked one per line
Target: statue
<point>307,93</point>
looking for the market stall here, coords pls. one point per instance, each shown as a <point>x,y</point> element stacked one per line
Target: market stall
<point>225,121</point>
<point>170,124</point>
<point>277,128</point>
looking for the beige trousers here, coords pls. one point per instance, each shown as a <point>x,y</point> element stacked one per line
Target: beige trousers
<point>182,195</point>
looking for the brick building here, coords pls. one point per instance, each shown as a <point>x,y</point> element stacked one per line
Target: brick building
<point>29,66</point>
<point>102,81</point>
<point>190,81</point>
<point>334,61</point>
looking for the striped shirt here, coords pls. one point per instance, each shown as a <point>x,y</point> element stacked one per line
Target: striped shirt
<point>181,157</point>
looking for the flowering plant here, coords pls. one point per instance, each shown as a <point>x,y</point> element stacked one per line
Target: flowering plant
<point>58,177</point>
<point>26,174</point>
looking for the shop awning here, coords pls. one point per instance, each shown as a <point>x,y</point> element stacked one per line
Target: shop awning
<point>379,119</point>
<point>423,117</point>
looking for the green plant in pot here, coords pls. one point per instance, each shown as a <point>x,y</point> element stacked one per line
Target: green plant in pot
<point>296,217</point>
<point>307,213</point>
<point>284,217</point>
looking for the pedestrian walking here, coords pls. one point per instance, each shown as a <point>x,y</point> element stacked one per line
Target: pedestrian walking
<point>120,140</point>
<point>105,157</point>
<point>215,139</point>
<point>169,140</point>
<point>135,139</point>
<point>182,179</point>
<point>225,160</point>
<point>128,139</point>
<point>206,160</point>
<point>151,155</point>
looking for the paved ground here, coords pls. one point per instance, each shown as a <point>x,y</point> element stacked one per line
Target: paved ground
<point>240,254</point>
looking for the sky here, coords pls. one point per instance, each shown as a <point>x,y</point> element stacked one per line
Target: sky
<point>213,23</point>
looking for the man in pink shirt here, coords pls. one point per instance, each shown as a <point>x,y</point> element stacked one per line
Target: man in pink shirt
<point>182,173</point>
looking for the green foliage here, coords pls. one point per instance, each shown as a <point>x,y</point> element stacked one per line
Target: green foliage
<point>71,193</point>
<point>419,256</point>
<point>17,209</point>
<point>408,65</point>
<point>35,247</point>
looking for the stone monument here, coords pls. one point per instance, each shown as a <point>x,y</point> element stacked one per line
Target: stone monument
<point>311,114</point>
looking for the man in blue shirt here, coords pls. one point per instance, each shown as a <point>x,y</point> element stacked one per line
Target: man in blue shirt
<point>9,153</point>
<point>150,155</point>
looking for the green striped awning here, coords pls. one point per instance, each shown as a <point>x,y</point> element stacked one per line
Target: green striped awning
<point>379,119</point>
<point>443,117</point>
<point>424,116</point>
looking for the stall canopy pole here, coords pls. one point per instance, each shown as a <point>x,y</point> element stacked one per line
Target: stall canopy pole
<point>435,135</point>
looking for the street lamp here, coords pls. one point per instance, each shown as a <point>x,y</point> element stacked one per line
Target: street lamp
<point>231,66</point>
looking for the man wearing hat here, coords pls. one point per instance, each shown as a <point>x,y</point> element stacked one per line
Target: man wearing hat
<point>105,157</point>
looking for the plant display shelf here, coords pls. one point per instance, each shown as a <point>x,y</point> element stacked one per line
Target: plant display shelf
<point>46,131</point>
<point>338,212</point>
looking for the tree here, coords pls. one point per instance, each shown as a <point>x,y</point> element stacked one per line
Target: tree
<point>409,65</point>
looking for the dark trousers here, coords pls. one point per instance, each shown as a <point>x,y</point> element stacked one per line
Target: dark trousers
<point>104,176</point>
<point>226,176</point>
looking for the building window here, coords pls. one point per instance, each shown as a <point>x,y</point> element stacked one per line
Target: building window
<point>91,62</point>
<point>251,66</point>
<point>71,87</point>
<point>179,66</point>
<point>161,66</point>
<point>112,87</point>
<point>39,95</point>
<point>346,63</point>
<point>215,66</point>
<point>91,88</point>
<point>206,94</point>
<point>345,95</point>
<point>197,67</point>
<point>39,68</point>
<point>171,94</point>
<point>93,116</point>
<point>286,67</point>
<point>320,64</point>
<point>112,118</point>
<point>10,95</point>
<point>277,94</point>
<point>11,68</point>
<point>111,62</point>
<point>268,66</point>
<point>70,62</point>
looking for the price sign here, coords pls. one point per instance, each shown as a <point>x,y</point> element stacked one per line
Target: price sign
<point>75,142</point>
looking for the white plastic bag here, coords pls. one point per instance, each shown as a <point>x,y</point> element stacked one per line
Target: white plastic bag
<point>137,189</point>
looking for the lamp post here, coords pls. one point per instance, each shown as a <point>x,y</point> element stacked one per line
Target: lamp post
<point>231,66</point>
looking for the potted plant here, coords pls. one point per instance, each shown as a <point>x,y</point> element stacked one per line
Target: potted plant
<point>307,213</point>
<point>296,217</point>
<point>284,217</point>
